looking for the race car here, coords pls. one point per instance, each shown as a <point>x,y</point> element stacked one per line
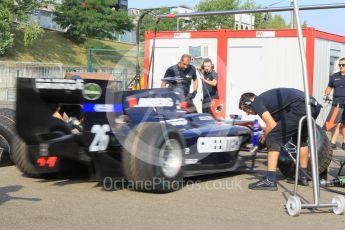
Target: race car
<point>145,135</point>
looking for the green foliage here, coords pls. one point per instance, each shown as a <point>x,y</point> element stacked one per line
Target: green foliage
<point>276,22</point>
<point>149,23</point>
<point>55,47</point>
<point>265,20</point>
<point>91,19</point>
<point>215,22</point>
<point>19,10</point>
<point>6,38</point>
<point>305,25</point>
<point>32,31</point>
<point>260,18</point>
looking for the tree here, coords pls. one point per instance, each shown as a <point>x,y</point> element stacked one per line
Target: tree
<point>276,22</point>
<point>18,11</point>
<point>149,22</point>
<point>265,20</point>
<point>6,38</point>
<point>91,18</point>
<point>260,18</point>
<point>215,22</point>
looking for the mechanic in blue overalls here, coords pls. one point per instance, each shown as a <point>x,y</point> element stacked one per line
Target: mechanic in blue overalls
<point>337,83</point>
<point>209,78</point>
<point>281,110</point>
<point>183,70</point>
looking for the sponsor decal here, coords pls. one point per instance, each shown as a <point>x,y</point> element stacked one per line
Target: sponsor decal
<point>182,35</point>
<point>44,149</point>
<point>218,144</point>
<point>49,161</point>
<point>190,161</point>
<point>101,139</point>
<point>92,91</point>
<point>102,108</point>
<point>155,102</point>
<point>265,34</point>
<point>205,118</point>
<point>178,121</point>
<point>64,84</point>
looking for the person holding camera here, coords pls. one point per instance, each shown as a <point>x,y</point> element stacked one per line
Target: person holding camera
<point>209,78</point>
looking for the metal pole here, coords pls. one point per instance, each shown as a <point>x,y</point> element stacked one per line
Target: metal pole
<point>137,67</point>
<point>300,125</point>
<point>259,10</point>
<point>152,55</point>
<point>177,24</point>
<point>292,18</point>
<point>311,133</point>
<point>89,60</point>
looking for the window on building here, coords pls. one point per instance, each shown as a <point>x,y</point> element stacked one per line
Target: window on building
<point>195,51</point>
<point>198,51</point>
<point>205,54</point>
<point>333,61</point>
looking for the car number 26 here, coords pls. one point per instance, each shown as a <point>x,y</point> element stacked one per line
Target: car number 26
<point>101,140</point>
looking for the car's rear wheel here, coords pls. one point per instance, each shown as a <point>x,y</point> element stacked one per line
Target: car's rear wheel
<point>7,132</point>
<point>153,157</point>
<point>5,159</point>
<point>21,158</point>
<point>324,151</point>
<point>14,149</point>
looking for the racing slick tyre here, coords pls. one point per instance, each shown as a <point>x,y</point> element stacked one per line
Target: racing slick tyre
<point>7,131</point>
<point>324,151</point>
<point>10,113</point>
<point>12,144</point>
<point>21,158</point>
<point>152,158</point>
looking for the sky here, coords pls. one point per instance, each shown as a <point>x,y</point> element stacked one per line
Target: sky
<point>328,20</point>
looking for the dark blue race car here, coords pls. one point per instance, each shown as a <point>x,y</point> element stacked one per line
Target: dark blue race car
<point>145,135</point>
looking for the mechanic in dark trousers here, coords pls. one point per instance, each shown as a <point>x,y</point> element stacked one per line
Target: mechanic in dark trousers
<point>337,83</point>
<point>184,70</point>
<point>281,110</point>
<point>209,78</point>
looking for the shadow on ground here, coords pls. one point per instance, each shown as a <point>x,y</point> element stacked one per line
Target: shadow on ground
<point>5,194</point>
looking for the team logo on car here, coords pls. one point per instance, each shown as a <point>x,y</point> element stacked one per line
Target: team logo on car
<point>92,91</point>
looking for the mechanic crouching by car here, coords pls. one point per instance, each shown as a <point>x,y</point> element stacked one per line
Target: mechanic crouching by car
<point>184,73</point>
<point>280,109</point>
<point>209,78</point>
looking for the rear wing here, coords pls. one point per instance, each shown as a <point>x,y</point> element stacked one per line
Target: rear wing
<point>100,103</point>
<point>34,100</point>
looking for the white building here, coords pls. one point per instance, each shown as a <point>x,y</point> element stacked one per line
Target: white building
<point>44,18</point>
<point>250,60</point>
<point>244,22</point>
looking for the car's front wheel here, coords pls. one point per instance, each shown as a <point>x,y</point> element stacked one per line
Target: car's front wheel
<point>153,157</point>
